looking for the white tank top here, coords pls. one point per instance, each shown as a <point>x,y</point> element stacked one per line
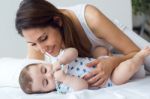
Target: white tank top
<point>79,11</point>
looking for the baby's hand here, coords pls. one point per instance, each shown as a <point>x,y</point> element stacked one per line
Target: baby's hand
<point>56,66</point>
<point>59,75</point>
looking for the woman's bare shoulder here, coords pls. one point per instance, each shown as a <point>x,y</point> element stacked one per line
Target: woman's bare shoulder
<point>103,28</point>
<point>95,19</point>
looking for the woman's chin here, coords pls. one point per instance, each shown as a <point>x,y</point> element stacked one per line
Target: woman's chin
<point>55,54</point>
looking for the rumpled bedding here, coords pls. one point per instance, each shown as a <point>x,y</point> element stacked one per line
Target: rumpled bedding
<point>137,89</point>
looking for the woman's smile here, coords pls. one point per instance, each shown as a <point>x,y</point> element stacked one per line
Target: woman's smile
<point>51,50</point>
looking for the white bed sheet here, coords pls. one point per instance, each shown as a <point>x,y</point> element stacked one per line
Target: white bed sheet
<point>137,89</point>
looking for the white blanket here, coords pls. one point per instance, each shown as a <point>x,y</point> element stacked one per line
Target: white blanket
<point>137,89</point>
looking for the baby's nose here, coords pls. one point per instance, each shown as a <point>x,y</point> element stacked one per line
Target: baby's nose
<point>49,74</point>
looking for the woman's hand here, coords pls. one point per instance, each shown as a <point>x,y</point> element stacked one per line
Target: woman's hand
<point>103,70</point>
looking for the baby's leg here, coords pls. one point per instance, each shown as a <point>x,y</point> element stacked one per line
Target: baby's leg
<point>129,67</point>
<point>138,40</point>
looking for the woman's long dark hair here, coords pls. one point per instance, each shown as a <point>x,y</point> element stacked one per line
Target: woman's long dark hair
<point>40,14</point>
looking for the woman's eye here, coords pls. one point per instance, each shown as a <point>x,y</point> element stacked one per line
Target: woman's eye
<point>33,44</point>
<point>44,38</point>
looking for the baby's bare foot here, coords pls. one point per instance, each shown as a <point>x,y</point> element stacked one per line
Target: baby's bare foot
<point>144,52</point>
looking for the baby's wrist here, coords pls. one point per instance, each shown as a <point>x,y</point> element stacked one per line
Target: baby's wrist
<point>64,78</point>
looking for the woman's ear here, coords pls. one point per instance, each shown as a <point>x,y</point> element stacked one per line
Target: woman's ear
<point>58,20</point>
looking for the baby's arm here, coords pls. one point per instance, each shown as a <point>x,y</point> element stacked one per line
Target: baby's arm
<point>74,82</point>
<point>100,51</point>
<point>68,56</point>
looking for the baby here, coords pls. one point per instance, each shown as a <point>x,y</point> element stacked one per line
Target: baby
<point>65,75</point>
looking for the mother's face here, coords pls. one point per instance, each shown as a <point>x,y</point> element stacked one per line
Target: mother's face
<point>46,39</point>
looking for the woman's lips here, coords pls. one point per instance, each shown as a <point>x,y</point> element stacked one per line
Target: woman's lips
<point>51,51</point>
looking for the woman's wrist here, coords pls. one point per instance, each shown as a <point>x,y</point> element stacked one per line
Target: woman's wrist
<point>116,60</point>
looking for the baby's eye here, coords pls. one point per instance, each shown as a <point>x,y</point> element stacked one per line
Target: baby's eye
<point>44,70</point>
<point>45,82</point>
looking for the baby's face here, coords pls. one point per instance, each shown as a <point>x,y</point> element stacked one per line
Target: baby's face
<point>43,79</point>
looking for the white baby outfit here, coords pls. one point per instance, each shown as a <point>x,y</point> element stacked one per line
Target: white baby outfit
<point>76,68</point>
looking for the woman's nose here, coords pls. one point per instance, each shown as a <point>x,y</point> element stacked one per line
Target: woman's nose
<point>49,75</point>
<point>42,48</point>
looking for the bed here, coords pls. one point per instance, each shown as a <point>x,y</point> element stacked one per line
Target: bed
<point>137,89</point>
<point>10,67</point>
<point>9,86</point>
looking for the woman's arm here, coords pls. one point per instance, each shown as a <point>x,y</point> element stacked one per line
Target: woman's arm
<point>103,28</point>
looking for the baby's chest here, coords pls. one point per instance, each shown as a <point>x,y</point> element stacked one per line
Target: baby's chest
<point>78,67</point>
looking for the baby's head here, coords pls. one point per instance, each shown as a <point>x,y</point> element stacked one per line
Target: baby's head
<point>37,78</point>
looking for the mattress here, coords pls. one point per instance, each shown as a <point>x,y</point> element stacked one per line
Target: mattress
<point>135,89</point>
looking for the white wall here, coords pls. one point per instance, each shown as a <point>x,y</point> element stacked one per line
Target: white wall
<point>12,45</point>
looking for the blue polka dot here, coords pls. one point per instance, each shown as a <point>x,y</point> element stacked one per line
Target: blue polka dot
<point>76,60</point>
<point>84,70</point>
<point>78,69</point>
<point>72,68</point>
<point>109,84</point>
<point>81,63</point>
<point>59,87</point>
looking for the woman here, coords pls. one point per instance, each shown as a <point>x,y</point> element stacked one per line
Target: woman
<point>47,29</point>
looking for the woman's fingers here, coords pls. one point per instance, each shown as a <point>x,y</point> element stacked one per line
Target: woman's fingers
<point>93,63</point>
<point>90,75</point>
<point>99,78</point>
<point>100,83</point>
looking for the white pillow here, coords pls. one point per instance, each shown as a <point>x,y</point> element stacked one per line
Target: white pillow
<point>10,69</point>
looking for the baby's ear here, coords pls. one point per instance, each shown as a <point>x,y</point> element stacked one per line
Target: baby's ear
<point>58,20</point>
